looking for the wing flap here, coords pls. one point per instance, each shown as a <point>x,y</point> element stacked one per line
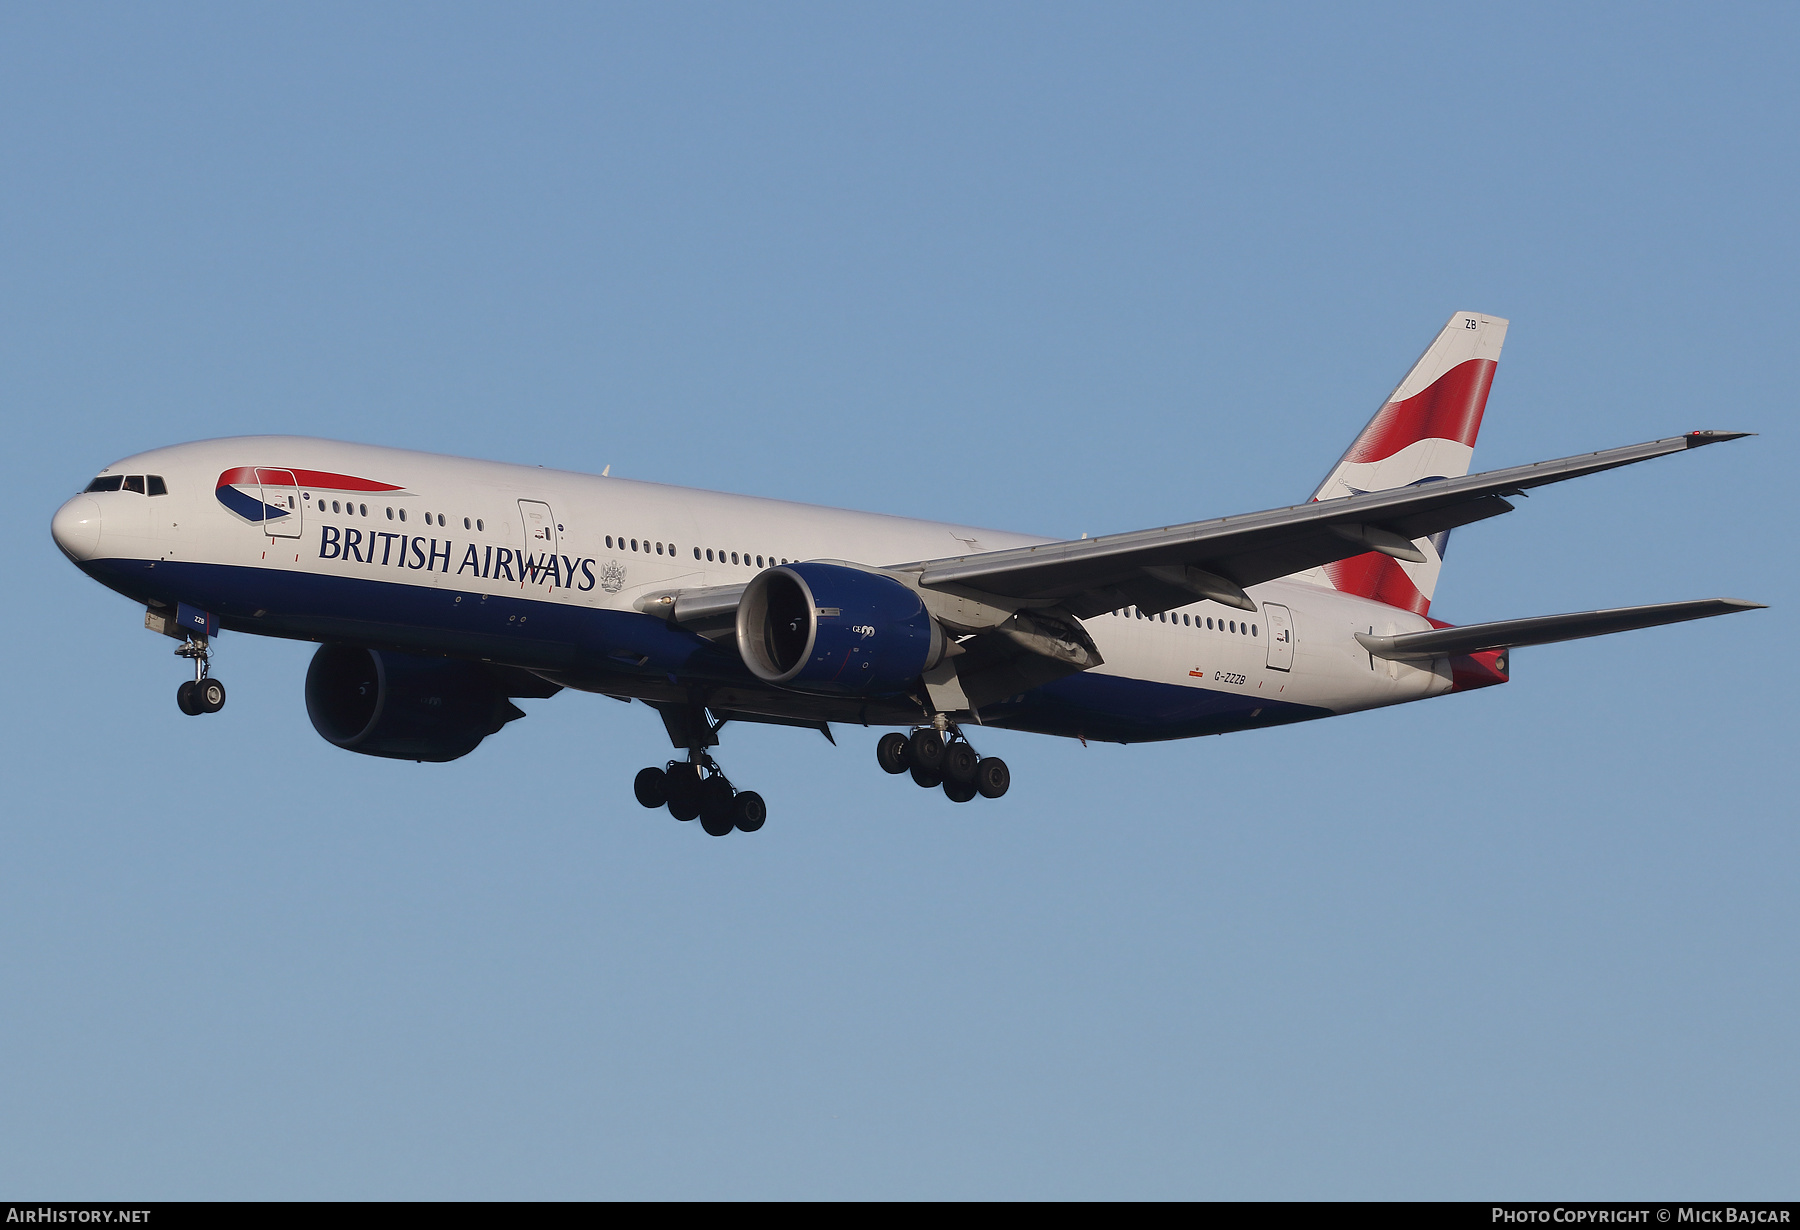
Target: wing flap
<point>1027,651</point>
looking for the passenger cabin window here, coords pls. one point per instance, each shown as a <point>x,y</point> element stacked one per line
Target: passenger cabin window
<point>106,482</point>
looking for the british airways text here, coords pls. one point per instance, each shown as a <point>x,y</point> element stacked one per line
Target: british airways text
<point>488,562</point>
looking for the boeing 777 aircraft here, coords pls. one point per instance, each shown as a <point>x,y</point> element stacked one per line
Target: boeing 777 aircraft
<point>440,589</point>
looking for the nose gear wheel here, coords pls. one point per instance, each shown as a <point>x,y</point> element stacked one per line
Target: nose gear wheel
<point>202,693</point>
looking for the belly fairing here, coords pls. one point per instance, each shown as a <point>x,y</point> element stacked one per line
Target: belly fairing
<point>1114,709</point>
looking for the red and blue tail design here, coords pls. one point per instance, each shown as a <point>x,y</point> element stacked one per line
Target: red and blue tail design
<point>1425,430</point>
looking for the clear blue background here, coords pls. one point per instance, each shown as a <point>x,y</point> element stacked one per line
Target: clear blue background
<point>1047,267</point>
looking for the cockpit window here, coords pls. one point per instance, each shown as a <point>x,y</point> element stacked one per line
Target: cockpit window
<point>134,482</point>
<point>157,486</point>
<point>106,482</point>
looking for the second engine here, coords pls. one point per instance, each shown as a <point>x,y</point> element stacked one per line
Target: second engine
<point>831,628</point>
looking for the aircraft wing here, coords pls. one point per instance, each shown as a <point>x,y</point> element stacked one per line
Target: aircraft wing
<point>1159,569</point>
<point>1547,629</point>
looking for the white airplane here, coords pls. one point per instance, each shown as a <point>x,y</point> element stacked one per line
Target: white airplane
<point>441,588</point>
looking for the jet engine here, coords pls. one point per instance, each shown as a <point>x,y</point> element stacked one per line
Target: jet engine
<point>834,629</point>
<point>403,707</point>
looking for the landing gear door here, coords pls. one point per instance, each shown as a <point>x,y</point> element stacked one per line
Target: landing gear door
<point>541,531</point>
<point>1281,637</point>
<point>281,503</point>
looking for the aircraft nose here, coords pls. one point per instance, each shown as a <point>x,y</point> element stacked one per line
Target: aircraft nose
<point>76,528</point>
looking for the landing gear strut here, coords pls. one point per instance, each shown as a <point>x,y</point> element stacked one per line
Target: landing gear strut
<point>950,763</point>
<point>202,693</point>
<point>697,787</point>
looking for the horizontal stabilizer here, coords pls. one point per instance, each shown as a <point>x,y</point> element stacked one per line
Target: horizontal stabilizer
<point>1546,629</point>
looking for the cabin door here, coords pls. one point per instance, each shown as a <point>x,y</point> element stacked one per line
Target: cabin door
<point>281,503</point>
<point>1281,636</point>
<point>542,534</point>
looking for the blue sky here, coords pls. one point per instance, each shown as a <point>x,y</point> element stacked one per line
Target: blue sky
<point>1062,269</point>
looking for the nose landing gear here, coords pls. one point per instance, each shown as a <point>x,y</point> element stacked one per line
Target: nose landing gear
<point>202,693</point>
<point>950,763</point>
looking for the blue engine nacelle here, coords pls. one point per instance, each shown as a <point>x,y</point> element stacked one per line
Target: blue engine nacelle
<point>833,629</point>
<point>403,707</point>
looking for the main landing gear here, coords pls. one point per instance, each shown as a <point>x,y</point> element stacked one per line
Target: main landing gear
<point>202,693</point>
<point>951,763</point>
<point>696,787</point>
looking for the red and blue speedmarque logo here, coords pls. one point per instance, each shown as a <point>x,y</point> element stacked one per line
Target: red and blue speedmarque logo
<point>265,494</point>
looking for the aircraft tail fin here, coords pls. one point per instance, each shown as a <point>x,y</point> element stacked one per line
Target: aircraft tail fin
<point>1425,430</point>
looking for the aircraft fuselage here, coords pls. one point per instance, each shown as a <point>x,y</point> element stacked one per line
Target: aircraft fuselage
<point>540,569</point>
